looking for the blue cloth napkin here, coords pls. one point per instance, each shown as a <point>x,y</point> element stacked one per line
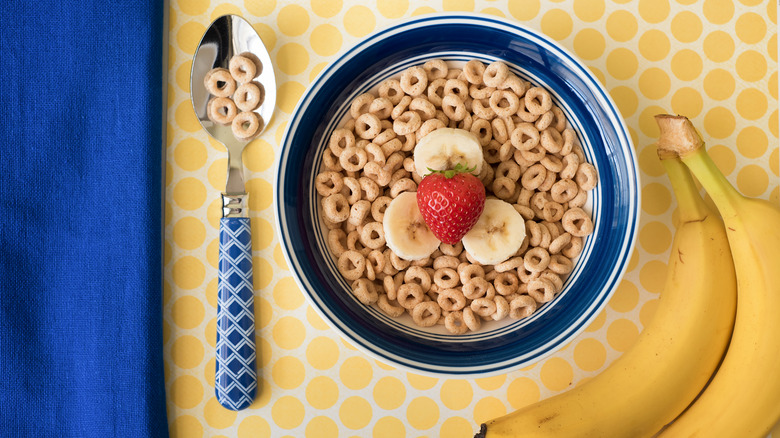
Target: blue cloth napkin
<point>81,219</point>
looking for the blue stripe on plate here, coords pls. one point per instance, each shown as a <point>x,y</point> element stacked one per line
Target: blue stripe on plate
<point>604,138</point>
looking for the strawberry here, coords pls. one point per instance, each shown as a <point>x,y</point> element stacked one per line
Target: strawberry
<point>450,202</point>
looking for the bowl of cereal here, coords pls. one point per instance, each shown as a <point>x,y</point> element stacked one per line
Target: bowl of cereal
<point>556,162</point>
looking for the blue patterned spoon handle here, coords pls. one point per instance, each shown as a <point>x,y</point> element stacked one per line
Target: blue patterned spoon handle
<point>236,376</point>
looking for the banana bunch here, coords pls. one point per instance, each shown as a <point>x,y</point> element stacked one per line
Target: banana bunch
<point>743,398</point>
<point>674,356</point>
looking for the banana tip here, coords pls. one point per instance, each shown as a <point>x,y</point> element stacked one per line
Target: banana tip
<point>678,137</point>
<point>482,431</point>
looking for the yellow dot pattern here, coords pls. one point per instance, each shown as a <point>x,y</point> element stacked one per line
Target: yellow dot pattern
<point>712,60</point>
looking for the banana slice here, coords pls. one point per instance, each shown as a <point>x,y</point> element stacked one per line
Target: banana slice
<point>444,148</point>
<point>405,230</point>
<point>497,235</point>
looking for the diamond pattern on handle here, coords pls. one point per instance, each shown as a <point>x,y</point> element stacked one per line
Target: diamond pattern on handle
<point>236,377</point>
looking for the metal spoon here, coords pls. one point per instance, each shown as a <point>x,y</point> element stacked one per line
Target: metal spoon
<point>236,376</point>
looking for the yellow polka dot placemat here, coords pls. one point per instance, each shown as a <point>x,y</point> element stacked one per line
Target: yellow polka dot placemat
<point>713,60</point>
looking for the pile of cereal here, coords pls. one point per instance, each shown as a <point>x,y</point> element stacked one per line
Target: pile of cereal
<point>531,160</point>
<point>235,89</point>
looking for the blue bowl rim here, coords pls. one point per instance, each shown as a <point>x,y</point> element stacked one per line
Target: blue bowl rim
<point>362,343</point>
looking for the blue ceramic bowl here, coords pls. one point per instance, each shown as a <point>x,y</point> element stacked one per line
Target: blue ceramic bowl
<point>500,346</point>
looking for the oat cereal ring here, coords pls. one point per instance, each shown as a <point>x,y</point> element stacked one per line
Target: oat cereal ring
<point>553,211</point>
<point>577,222</point>
<point>482,129</point>
<point>538,101</point>
<point>409,141</point>
<point>352,264</point>
<point>352,189</point>
<point>337,241</point>
<point>482,110</point>
<point>391,89</point>
<point>451,249</point>
<point>353,159</point>
<point>554,278</point>
<point>508,169</point>
<point>418,275</point>
<point>548,182</point>
<point>502,308</point>
<point>471,321</point>
<point>407,123</point>
<point>328,183</point>
<point>552,163</point>
<point>559,119</point>
<point>399,175</point>
<point>429,126</point>
<point>560,264</point>
<point>458,88</point>
<point>377,260</point>
<point>221,110</point>
<point>509,265</point>
<point>495,74</point>
<point>536,259</point>
<point>467,272</point>
<point>361,105</point>
<point>220,83</point>
<point>446,262</point>
<point>551,140</point>
<point>524,137</point>
<point>381,107</point>
<point>555,228</point>
<point>541,289</point>
<point>378,208</point>
<point>513,83</point>
<point>336,207</point>
<point>534,232</point>
<point>368,126</point>
<point>481,92</point>
<point>500,131</point>
<point>388,306</point>
<point>410,295</point>
<point>414,81</point>
<point>394,162</point>
<point>525,211</point>
<point>435,69</point>
<point>453,73</point>
<point>242,68</point>
<point>474,71</point>
<point>574,248</point>
<point>375,153</point>
<point>453,107</point>
<point>426,313</point>
<point>504,188</point>
<point>525,275</point>
<point>535,154</point>
<point>544,121</point>
<point>402,185</point>
<point>564,191</point>
<point>391,284</point>
<point>372,235</point>
<point>504,103</point>
<point>492,153</point>
<point>391,146</point>
<point>424,108</point>
<point>369,189</point>
<point>586,177</point>
<point>559,243</point>
<point>506,283</point>
<point>533,177</point>
<point>455,324</point>
<point>570,163</point>
<point>376,172</point>
<point>436,91</point>
<point>483,306</point>
<point>522,307</point>
<point>341,139</point>
<point>445,278</point>
<point>478,287</point>
<point>487,173</point>
<point>365,291</point>
<point>330,161</point>
<point>249,95</point>
<point>353,240</point>
<point>247,125</point>
<point>524,115</point>
<point>579,200</point>
<point>451,300</point>
<point>568,142</point>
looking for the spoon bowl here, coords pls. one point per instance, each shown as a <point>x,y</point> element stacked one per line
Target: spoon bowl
<point>235,383</point>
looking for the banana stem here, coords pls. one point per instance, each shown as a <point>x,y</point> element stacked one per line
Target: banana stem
<point>690,203</point>
<point>679,138</point>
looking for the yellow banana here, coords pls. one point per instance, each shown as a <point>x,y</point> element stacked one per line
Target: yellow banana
<point>743,398</point>
<point>674,356</point>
